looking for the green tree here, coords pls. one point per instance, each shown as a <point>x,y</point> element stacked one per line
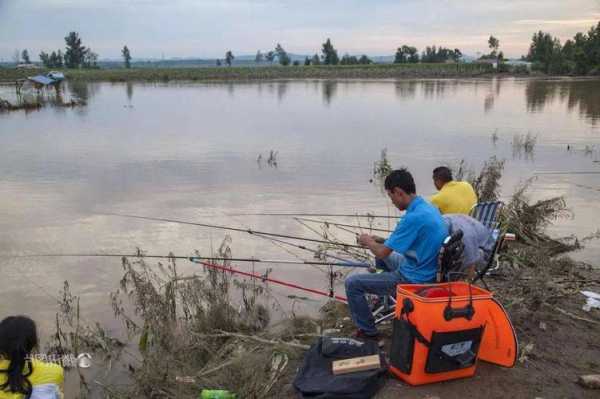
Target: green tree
<point>545,50</point>
<point>229,58</point>
<point>218,62</point>
<point>45,58</point>
<point>400,57</point>
<point>259,58</point>
<point>270,56</point>
<point>59,59</point>
<point>75,52</point>
<point>90,59</point>
<point>282,55</point>
<point>315,60</point>
<point>126,57</point>
<point>330,56</point>
<point>25,56</point>
<point>307,61</point>
<point>406,54</point>
<point>494,45</point>
<point>349,60</point>
<point>364,60</point>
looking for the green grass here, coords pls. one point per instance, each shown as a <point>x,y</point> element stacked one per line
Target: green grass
<point>377,71</point>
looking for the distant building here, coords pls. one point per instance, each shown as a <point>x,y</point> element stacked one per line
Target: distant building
<point>493,62</point>
<point>27,66</point>
<point>517,63</point>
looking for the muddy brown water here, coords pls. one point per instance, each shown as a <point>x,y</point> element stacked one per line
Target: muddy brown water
<point>189,151</point>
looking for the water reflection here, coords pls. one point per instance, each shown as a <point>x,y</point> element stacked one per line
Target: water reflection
<point>581,94</point>
<point>129,90</point>
<point>329,88</point>
<point>406,88</point>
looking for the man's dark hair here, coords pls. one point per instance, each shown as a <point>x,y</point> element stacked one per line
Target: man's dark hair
<point>443,174</point>
<point>400,178</point>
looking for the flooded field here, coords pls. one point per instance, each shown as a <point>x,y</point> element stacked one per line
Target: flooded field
<point>190,152</point>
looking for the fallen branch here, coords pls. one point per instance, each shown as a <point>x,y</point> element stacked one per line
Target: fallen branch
<point>575,316</point>
<point>255,338</point>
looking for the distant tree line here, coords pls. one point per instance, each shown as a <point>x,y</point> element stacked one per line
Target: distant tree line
<point>580,55</point>
<point>76,55</point>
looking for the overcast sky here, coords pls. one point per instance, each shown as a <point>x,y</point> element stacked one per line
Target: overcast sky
<point>207,28</point>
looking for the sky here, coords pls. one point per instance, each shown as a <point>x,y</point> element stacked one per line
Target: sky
<point>208,28</point>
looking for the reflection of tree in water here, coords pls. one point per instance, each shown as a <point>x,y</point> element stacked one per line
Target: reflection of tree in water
<point>129,90</point>
<point>82,91</point>
<point>437,88</point>
<point>406,88</point>
<point>584,94</point>
<point>281,90</point>
<point>329,90</point>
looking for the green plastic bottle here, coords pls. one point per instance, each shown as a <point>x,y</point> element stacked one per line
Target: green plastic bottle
<point>216,394</point>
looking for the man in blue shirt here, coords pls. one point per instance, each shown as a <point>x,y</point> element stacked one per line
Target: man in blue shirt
<point>409,255</point>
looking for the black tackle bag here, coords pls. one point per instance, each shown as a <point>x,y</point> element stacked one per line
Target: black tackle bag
<point>315,378</point>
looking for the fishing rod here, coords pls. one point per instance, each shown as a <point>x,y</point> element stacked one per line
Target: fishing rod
<point>326,222</point>
<point>265,278</point>
<point>203,261</point>
<point>201,258</point>
<point>249,231</point>
<point>315,215</point>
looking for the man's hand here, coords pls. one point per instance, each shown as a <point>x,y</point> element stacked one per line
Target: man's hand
<point>365,240</point>
<point>376,247</point>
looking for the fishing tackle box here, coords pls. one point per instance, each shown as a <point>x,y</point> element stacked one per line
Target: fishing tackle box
<point>441,330</point>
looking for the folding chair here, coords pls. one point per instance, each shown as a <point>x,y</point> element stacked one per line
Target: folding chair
<point>450,260</point>
<point>487,213</point>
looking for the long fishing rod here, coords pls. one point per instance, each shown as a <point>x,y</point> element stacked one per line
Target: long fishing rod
<point>203,261</point>
<point>274,281</point>
<point>326,222</point>
<point>315,215</point>
<point>249,231</point>
<point>201,258</point>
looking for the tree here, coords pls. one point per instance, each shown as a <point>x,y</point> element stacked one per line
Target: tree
<point>74,55</point>
<point>17,56</point>
<point>457,55</point>
<point>400,57</point>
<point>546,51</point>
<point>53,61</point>
<point>218,62</point>
<point>349,60</point>
<point>229,58</point>
<point>270,56</point>
<point>45,58</point>
<point>315,60</point>
<point>296,63</point>
<point>126,57</point>
<point>406,54</point>
<point>25,56</point>
<point>282,55</point>
<point>259,57</point>
<point>307,61</point>
<point>90,59</point>
<point>364,60</point>
<point>59,59</point>
<point>330,56</point>
<point>494,45</point>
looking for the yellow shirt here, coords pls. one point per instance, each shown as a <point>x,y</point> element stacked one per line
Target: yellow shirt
<point>455,197</point>
<point>45,376</point>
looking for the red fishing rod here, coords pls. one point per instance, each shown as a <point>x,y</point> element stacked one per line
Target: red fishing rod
<point>270,280</point>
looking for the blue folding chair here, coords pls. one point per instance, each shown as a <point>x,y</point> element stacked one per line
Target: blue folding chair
<point>487,213</point>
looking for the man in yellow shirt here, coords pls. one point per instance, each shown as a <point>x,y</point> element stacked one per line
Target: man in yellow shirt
<point>453,196</point>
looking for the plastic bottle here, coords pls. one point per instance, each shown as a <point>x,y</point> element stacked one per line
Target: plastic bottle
<point>216,394</point>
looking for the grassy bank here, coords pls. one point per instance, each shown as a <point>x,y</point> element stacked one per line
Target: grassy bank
<point>377,71</point>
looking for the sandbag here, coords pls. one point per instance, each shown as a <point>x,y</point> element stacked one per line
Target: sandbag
<point>315,378</point>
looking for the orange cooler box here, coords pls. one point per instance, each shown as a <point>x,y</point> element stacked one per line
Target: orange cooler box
<point>440,330</point>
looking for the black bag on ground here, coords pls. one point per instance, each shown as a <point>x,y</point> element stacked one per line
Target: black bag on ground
<point>315,378</point>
